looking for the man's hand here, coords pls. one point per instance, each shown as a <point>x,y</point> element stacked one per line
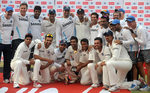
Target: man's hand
<point>103,63</point>
<point>32,61</point>
<point>39,45</point>
<point>86,19</point>
<point>118,42</point>
<point>68,63</point>
<point>71,14</point>
<point>50,61</point>
<point>62,69</point>
<point>133,35</point>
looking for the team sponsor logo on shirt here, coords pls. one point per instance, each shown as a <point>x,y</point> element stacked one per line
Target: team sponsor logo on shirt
<point>7,25</point>
<point>68,23</point>
<point>25,51</point>
<point>41,50</point>
<point>23,19</point>
<point>35,23</point>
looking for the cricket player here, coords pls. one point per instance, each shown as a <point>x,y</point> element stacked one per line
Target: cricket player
<point>104,27</point>
<point>105,13</point>
<point>35,22</point>
<point>66,27</point>
<point>6,27</point>
<point>117,66</point>
<point>45,56</point>
<point>72,58</point>
<point>123,22</point>
<point>142,36</point>
<point>97,55</point>
<point>20,60</point>
<point>58,66</point>
<point>94,27</point>
<point>82,26</point>
<point>49,25</point>
<point>21,26</point>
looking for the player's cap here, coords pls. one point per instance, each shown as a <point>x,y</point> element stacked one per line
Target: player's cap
<point>130,18</point>
<point>121,10</point>
<point>115,21</point>
<point>105,11</point>
<point>109,33</point>
<point>80,11</point>
<point>66,8</point>
<point>52,11</point>
<point>9,8</point>
<point>62,42</point>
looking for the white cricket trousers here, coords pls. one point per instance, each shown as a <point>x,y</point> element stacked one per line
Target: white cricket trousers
<point>44,76</point>
<point>21,75</point>
<point>114,72</point>
<point>89,74</point>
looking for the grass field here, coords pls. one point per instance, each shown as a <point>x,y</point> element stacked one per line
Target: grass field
<point>1,65</point>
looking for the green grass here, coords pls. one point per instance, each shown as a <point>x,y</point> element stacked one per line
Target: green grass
<point>140,92</point>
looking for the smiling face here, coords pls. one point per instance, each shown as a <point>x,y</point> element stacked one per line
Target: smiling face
<point>132,24</point>
<point>84,45</point>
<point>28,40</point>
<point>23,10</point>
<point>97,44</point>
<point>37,13</point>
<point>48,41</point>
<point>9,13</point>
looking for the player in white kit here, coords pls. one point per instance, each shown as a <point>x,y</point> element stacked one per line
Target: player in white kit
<point>94,27</point>
<point>6,27</point>
<point>97,55</point>
<point>120,62</point>
<point>66,27</point>
<point>45,56</point>
<point>21,26</point>
<point>72,58</point>
<point>123,22</point>
<point>82,26</point>
<point>104,27</point>
<point>49,25</point>
<point>20,60</point>
<point>35,22</point>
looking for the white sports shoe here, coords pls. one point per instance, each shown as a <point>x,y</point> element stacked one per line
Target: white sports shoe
<point>134,87</point>
<point>36,85</point>
<point>16,85</point>
<point>6,81</point>
<point>94,85</point>
<point>114,88</point>
<point>145,88</point>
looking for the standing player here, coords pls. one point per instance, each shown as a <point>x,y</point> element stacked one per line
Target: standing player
<point>104,27</point>
<point>45,56</point>
<point>141,36</point>
<point>105,13</point>
<point>49,25</point>
<point>19,62</point>
<point>35,22</point>
<point>6,27</point>
<point>66,27</point>
<point>123,22</point>
<point>94,30</point>
<point>82,26</point>
<point>21,26</point>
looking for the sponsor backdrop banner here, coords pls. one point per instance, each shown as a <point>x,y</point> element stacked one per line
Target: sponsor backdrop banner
<point>138,8</point>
